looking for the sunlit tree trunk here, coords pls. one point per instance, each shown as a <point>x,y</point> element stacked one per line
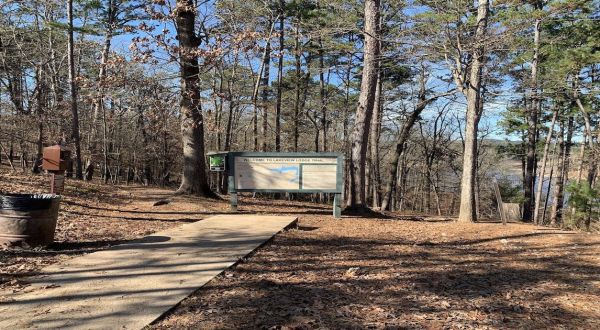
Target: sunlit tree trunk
<point>360,133</point>
<point>467,193</point>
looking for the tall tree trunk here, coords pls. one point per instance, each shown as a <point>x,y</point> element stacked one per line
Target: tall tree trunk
<point>540,183</point>
<point>297,55</point>
<point>563,174</point>
<point>322,94</point>
<point>279,77</point>
<point>306,81</point>
<point>467,194</point>
<point>265,95</point>
<point>230,96</point>
<point>194,179</point>
<point>229,127</point>
<point>73,89</point>
<point>97,103</point>
<point>557,196</point>
<point>532,130</point>
<point>219,108</point>
<point>346,139</point>
<point>347,105</point>
<point>360,133</point>
<point>40,104</point>
<point>257,85</point>
<point>374,141</point>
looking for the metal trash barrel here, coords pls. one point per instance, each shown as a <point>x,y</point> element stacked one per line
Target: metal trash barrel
<point>28,218</point>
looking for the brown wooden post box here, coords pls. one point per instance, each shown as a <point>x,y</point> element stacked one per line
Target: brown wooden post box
<point>56,158</point>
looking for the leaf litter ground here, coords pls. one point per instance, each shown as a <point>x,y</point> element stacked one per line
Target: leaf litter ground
<point>393,271</point>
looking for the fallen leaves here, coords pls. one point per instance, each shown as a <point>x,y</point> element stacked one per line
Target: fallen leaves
<point>359,273</point>
<point>354,273</point>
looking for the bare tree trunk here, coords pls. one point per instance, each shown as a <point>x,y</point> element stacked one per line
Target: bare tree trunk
<point>228,129</point>
<point>532,125</point>
<point>556,216</point>
<point>256,88</point>
<point>540,183</point>
<point>563,175</point>
<point>219,110</point>
<point>265,95</point>
<point>346,140</point>
<point>306,87</point>
<point>374,141</point>
<point>41,103</point>
<point>297,55</point>
<point>323,95</point>
<point>97,103</point>
<point>360,134</point>
<point>467,198</point>
<point>73,89</point>
<point>279,78</point>
<point>193,180</point>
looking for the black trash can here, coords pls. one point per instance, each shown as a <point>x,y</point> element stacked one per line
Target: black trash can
<point>28,218</point>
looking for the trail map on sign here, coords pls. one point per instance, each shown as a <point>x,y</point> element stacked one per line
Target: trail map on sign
<point>287,173</point>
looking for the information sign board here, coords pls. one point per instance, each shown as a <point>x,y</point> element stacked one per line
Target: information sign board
<point>286,172</point>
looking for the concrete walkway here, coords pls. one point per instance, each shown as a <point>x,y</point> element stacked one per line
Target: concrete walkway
<point>129,286</point>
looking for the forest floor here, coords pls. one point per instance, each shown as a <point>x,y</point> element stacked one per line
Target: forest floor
<point>393,271</point>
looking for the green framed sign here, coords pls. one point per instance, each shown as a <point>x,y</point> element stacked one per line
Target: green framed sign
<point>216,162</point>
<point>292,172</point>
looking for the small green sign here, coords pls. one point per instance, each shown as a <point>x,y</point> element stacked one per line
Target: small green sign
<point>216,163</point>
